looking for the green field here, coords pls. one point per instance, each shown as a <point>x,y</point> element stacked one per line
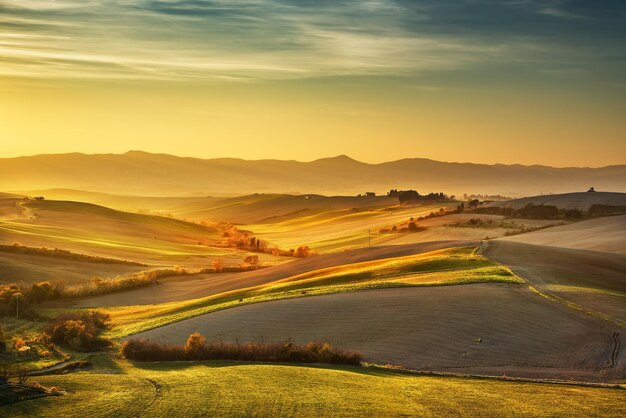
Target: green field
<point>453,266</point>
<point>235,389</point>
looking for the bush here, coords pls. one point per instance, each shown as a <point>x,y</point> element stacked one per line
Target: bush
<point>197,348</point>
<point>251,260</point>
<point>78,331</point>
<point>303,251</point>
<point>74,333</point>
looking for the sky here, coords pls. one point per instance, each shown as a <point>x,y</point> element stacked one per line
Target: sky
<point>488,81</point>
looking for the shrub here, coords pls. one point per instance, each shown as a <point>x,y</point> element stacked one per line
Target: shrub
<point>43,291</point>
<point>197,348</point>
<point>19,343</point>
<point>251,260</point>
<point>78,331</point>
<point>74,333</point>
<point>147,350</point>
<point>8,301</point>
<point>303,251</point>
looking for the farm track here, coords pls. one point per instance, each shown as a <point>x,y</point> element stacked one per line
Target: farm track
<point>157,392</point>
<point>616,347</point>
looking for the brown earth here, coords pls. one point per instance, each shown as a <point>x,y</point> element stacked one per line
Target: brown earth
<point>487,329</point>
<point>593,280</point>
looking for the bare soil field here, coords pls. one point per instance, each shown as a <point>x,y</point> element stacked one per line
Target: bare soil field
<point>182,288</point>
<point>600,234</point>
<point>594,280</point>
<point>488,329</point>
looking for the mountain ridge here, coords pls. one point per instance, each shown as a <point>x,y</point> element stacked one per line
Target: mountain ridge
<point>143,173</point>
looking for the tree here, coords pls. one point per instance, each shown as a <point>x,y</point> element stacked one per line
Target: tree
<point>473,203</point>
<point>408,196</point>
<point>218,264</point>
<point>538,211</point>
<point>194,345</point>
<point>251,260</point>
<point>74,333</point>
<point>303,251</point>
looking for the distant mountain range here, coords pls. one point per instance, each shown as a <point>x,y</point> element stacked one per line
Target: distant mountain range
<point>146,174</point>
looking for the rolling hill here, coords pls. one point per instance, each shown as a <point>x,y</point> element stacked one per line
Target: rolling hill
<point>142,173</point>
<point>85,228</point>
<point>580,200</point>
<point>600,234</point>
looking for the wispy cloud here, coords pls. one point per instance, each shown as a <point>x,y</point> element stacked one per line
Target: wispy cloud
<point>276,39</point>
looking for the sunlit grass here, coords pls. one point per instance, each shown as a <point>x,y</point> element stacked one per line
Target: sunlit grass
<point>337,230</point>
<point>215,388</point>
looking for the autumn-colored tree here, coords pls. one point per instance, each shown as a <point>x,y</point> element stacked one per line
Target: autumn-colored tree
<point>303,251</point>
<point>194,345</point>
<point>251,260</point>
<point>218,264</point>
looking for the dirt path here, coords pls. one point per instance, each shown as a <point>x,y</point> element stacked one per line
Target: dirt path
<point>615,353</point>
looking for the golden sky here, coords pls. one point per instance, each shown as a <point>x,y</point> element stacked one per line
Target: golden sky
<point>495,82</point>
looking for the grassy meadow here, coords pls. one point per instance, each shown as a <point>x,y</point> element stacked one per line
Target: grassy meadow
<point>124,389</point>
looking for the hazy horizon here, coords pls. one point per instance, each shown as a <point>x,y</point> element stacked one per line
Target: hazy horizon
<point>524,82</point>
<point>337,156</point>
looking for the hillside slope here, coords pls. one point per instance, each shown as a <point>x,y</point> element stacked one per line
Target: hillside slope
<point>601,234</point>
<point>579,200</point>
<point>99,231</point>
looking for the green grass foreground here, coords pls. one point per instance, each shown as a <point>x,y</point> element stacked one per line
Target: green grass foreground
<point>452,266</point>
<point>234,389</point>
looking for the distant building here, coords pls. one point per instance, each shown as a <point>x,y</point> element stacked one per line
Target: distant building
<point>370,194</point>
<point>591,190</point>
